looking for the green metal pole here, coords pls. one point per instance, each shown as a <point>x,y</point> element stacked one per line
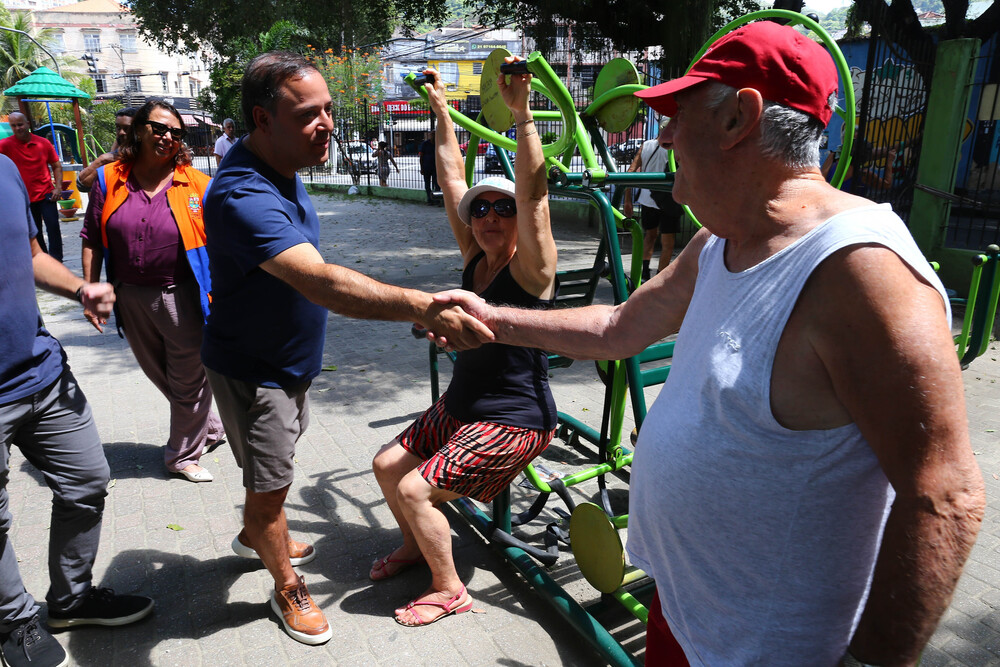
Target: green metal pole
<point>947,108</point>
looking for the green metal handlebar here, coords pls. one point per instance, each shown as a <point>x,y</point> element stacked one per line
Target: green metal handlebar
<point>546,82</point>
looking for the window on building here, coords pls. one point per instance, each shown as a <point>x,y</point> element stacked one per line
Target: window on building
<point>177,87</point>
<point>191,88</point>
<point>92,41</point>
<point>101,82</point>
<point>127,41</point>
<point>477,68</point>
<point>449,72</point>
<point>133,83</point>
<point>56,42</point>
<point>164,83</point>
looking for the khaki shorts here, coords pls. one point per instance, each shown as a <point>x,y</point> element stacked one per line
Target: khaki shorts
<point>262,425</point>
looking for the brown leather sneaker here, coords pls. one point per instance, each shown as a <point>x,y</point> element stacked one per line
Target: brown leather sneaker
<point>303,620</point>
<point>299,553</point>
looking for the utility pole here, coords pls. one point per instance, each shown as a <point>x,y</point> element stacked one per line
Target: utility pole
<point>128,83</point>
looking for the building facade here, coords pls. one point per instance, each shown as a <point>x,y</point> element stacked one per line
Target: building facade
<point>101,35</point>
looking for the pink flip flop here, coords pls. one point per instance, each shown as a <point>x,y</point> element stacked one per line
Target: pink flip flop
<point>379,571</point>
<point>450,607</point>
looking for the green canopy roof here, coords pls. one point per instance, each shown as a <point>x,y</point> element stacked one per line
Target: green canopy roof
<point>43,82</point>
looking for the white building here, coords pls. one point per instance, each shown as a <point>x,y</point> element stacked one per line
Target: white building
<point>127,67</point>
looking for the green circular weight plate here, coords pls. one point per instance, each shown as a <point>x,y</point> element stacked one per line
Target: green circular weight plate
<point>497,115</point>
<point>617,115</point>
<point>597,548</point>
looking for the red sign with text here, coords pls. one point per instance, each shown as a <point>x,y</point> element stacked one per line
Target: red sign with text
<point>402,107</point>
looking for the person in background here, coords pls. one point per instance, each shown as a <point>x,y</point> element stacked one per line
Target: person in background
<point>35,157</point>
<point>123,120</point>
<point>428,167</point>
<point>226,141</point>
<point>384,157</point>
<point>46,415</point>
<point>660,213</point>
<point>144,221</point>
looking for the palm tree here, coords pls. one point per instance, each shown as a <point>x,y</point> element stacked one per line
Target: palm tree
<point>19,56</point>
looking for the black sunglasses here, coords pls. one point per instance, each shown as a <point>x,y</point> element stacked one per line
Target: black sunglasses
<point>505,208</point>
<point>159,129</point>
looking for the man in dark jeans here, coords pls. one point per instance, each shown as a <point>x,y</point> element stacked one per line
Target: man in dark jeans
<point>428,168</point>
<point>45,414</point>
<point>33,157</point>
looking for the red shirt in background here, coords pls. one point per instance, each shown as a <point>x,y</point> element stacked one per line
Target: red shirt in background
<point>32,158</point>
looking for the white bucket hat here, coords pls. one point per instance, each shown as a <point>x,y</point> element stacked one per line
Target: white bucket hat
<point>489,184</point>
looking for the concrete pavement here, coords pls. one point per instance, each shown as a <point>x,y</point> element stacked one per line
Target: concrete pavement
<point>169,538</point>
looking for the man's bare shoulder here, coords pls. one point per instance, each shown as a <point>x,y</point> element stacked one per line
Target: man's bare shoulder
<point>867,301</point>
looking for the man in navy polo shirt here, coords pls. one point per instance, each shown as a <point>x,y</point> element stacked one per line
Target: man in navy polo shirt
<point>271,290</point>
<point>44,413</point>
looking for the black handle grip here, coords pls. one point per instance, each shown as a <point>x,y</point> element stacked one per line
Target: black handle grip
<point>519,67</point>
<point>421,79</point>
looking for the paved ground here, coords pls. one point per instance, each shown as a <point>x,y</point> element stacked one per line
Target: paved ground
<point>211,605</point>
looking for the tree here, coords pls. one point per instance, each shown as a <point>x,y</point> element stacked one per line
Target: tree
<point>222,96</point>
<point>680,27</point>
<point>898,23</point>
<point>222,25</point>
<point>353,76</point>
<point>19,56</point>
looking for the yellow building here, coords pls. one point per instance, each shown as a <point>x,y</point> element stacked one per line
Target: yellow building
<point>460,76</point>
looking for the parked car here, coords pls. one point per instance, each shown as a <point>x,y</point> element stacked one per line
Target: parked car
<point>481,151</point>
<point>357,158</point>
<point>626,150</point>
<point>491,163</point>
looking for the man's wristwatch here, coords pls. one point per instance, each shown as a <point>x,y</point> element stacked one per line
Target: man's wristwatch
<point>850,661</point>
<point>79,294</point>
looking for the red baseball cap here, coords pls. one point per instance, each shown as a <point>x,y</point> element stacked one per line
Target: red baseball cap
<point>781,63</point>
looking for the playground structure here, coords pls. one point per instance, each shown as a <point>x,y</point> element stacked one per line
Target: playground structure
<point>593,528</point>
<point>46,87</point>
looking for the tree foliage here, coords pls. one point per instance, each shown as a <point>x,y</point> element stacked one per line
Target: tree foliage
<point>223,24</point>
<point>679,27</point>
<point>897,21</point>
<point>353,76</point>
<point>19,55</point>
<point>222,96</point>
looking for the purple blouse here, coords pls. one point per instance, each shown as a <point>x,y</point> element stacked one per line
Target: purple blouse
<point>144,243</point>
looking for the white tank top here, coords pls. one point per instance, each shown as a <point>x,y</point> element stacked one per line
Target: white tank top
<point>761,540</point>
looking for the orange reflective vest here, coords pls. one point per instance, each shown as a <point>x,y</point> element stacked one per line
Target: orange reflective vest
<point>184,197</point>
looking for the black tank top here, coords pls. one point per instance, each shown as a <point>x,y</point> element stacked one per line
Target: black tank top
<point>497,383</point>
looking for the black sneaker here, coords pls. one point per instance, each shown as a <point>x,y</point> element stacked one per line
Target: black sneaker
<point>101,606</point>
<point>31,645</point>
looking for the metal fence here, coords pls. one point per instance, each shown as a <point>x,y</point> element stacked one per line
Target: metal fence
<point>891,111</point>
<point>975,210</point>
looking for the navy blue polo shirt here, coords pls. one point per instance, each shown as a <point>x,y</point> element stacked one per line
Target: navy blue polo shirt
<point>30,357</point>
<point>260,329</point>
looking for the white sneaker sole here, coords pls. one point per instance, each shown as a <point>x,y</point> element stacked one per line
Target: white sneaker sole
<point>244,551</point>
<point>311,640</point>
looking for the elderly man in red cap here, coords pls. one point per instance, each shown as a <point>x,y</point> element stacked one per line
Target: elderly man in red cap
<point>803,491</point>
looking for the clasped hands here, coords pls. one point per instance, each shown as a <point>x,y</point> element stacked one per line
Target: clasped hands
<point>458,321</point>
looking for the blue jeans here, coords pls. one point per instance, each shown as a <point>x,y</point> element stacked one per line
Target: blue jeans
<point>55,431</point>
<point>44,210</point>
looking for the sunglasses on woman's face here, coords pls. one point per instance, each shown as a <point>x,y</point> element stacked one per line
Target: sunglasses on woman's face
<point>159,129</point>
<point>505,208</point>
